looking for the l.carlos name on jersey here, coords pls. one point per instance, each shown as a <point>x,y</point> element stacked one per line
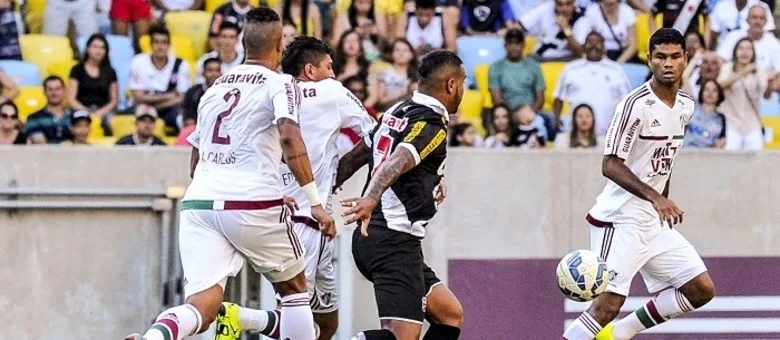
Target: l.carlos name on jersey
<point>219,158</point>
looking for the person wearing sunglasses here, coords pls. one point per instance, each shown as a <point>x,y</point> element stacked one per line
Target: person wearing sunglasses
<point>10,132</point>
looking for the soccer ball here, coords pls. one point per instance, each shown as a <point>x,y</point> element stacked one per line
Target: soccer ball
<point>582,275</point>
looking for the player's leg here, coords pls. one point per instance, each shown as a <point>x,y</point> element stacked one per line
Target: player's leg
<point>325,298</point>
<point>677,264</point>
<point>393,262</point>
<point>207,260</point>
<point>625,254</point>
<point>442,309</point>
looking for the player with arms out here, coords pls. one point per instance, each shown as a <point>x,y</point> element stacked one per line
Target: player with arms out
<point>233,210</point>
<point>406,154</point>
<point>632,221</point>
<point>326,108</point>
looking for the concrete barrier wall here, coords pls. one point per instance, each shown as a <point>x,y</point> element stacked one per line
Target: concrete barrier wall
<point>95,274</point>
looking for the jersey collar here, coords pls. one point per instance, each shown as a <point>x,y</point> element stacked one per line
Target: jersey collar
<point>433,103</point>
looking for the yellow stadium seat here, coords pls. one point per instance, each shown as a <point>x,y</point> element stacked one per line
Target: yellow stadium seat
<point>29,100</point>
<point>551,71</point>
<point>642,35</point>
<point>181,46</point>
<point>659,22</point>
<point>170,140</point>
<point>61,69</point>
<point>95,130</point>
<point>105,142</point>
<point>123,125</point>
<point>159,128</point>
<point>36,6</point>
<point>44,50</point>
<point>34,22</point>
<point>471,110</point>
<point>530,44</point>
<point>773,123</point>
<point>481,73</point>
<point>193,24</point>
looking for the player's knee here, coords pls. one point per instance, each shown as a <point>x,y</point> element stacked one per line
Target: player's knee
<point>207,303</point>
<point>292,286</point>
<point>606,307</point>
<point>328,323</point>
<point>452,315</point>
<point>700,293</point>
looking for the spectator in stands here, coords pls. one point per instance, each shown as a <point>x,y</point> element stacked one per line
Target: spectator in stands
<point>60,13</point>
<point>732,15</point>
<point>226,50</point>
<point>487,16</point>
<point>743,85</point>
<point>50,124</point>
<point>145,117</point>
<point>576,84</point>
<point>707,128</point>
<point>362,19</point>
<point>557,24</point>
<point>528,134</point>
<point>616,22</point>
<point>233,12</point>
<point>164,6</point>
<point>11,25</point>
<point>10,131</point>
<point>80,125</point>
<point>694,44</point>
<point>424,28</point>
<point>500,127</point>
<point>583,131</point>
<point>349,60</point>
<point>516,80</point>
<point>93,83</point>
<point>701,68</point>
<point>397,82</point>
<point>289,32</point>
<point>160,79</point>
<point>683,15</point>
<point>463,134</point>
<point>131,12</point>
<point>211,71</point>
<point>294,10</point>
<point>8,89</point>
<point>359,87</point>
<point>767,47</point>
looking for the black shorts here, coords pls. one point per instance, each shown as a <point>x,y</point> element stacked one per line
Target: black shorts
<point>393,261</point>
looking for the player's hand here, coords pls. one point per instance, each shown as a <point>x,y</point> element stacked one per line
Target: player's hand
<point>327,225</point>
<point>360,209</point>
<point>440,193</point>
<point>668,211</point>
<point>290,203</point>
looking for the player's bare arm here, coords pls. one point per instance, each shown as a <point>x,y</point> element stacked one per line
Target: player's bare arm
<point>297,158</point>
<point>360,209</point>
<point>194,158</point>
<point>351,163</point>
<point>612,167</point>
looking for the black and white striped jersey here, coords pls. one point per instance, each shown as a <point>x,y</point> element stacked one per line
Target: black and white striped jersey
<point>419,125</point>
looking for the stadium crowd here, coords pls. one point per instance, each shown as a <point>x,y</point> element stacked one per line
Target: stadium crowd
<point>541,73</point>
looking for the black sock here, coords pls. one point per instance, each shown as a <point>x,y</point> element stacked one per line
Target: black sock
<point>377,334</point>
<point>442,332</point>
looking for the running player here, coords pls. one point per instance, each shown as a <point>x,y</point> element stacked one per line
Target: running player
<point>326,108</point>
<point>632,221</point>
<point>233,209</point>
<point>406,155</point>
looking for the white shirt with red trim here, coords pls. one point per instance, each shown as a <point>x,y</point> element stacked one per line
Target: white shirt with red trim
<point>646,133</point>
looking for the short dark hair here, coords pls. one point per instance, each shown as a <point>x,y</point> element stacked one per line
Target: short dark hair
<point>457,130</point>
<point>301,51</point>
<point>514,35</point>
<point>227,25</point>
<point>425,4</point>
<point>52,78</point>
<point>258,38</point>
<point>262,15</point>
<point>596,33</point>
<point>666,36</point>
<point>434,61</point>
<point>721,94</point>
<point>159,29</point>
<point>211,60</point>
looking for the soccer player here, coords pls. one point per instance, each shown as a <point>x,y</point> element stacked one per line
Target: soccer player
<point>632,221</point>
<point>406,154</point>
<point>326,108</point>
<point>233,209</point>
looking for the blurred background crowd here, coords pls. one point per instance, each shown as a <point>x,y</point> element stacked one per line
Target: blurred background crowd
<point>541,73</point>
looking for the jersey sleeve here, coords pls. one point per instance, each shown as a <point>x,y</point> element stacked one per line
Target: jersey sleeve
<point>353,115</point>
<point>194,137</point>
<point>560,87</point>
<point>424,137</point>
<point>624,129</point>
<point>286,99</point>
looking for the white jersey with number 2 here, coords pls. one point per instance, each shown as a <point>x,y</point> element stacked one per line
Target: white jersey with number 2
<point>646,133</point>
<point>326,108</point>
<point>237,138</point>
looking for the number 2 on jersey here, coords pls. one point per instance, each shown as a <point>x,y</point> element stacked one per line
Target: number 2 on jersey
<point>215,137</point>
<point>383,147</point>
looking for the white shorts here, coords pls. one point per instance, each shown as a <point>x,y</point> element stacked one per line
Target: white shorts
<point>663,256</point>
<point>320,273</point>
<point>214,243</point>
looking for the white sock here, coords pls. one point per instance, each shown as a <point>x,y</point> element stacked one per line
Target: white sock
<point>584,328</point>
<point>664,306</point>
<point>297,321</point>
<point>265,322</point>
<point>175,323</point>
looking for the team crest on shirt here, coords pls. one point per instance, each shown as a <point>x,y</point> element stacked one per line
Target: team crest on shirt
<point>612,275</point>
<point>650,102</point>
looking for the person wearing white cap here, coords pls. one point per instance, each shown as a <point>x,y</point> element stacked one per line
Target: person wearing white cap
<point>145,118</point>
<point>80,125</point>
